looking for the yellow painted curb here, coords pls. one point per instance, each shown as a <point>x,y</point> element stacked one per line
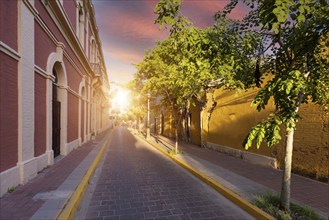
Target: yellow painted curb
<point>70,206</point>
<point>238,200</point>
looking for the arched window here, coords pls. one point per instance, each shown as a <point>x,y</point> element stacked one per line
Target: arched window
<point>93,51</point>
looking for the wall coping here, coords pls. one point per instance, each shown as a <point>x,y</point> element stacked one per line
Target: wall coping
<point>248,156</point>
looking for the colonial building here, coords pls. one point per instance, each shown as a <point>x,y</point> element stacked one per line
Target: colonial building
<point>54,85</point>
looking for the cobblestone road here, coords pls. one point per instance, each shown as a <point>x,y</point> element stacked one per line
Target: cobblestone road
<point>137,182</point>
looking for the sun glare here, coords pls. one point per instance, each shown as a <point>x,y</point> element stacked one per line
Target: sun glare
<point>121,100</point>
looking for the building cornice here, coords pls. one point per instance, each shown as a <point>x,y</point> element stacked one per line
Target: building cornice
<point>43,73</point>
<point>9,51</point>
<point>58,15</point>
<point>60,18</point>
<point>95,30</point>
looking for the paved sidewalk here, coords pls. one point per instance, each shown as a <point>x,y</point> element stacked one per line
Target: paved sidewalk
<point>247,179</point>
<point>44,196</point>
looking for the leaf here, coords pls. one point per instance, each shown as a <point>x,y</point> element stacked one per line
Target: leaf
<point>169,20</point>
<point>289,86</point>
<point>260,136</point>
<point>199,63</point>
<point>301,18</point>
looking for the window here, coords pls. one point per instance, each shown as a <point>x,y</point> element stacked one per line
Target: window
<point>81,25</point>
<point>93,51</point>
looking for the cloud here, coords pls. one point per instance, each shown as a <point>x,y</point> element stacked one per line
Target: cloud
<point>128,21</point>
<point>201,12</point>
<point>128,56</point>
<point>127,29</point>
<point>119,71</point>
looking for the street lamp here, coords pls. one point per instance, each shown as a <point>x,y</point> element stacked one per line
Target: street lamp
<point>148,116</point>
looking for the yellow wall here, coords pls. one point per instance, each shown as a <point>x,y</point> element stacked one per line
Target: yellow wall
<point>195,124</point>
<point>233,117</point>
<point>311,143</point>
<point>169,130</point>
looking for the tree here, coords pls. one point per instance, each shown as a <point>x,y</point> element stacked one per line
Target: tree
<point>137,108</point>
<point>159,76</point>
<point>206,58</point>
<point>296,35</point>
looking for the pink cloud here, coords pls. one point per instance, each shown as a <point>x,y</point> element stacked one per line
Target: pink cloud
<point>205,6</point>
<point>129,24</point>
<point>141,27</point>
<point>124,55</point>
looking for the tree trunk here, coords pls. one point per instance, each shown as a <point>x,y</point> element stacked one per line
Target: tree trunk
<point>286,177</point>
<point>189,128</point>
<point>184,130</point>
<point>213,104</point>
<point>201,126</point>
<point>176,140</point>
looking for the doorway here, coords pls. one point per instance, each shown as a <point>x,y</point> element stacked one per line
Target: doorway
<point>56,116</point>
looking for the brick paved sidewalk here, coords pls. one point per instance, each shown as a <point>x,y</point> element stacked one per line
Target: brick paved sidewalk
<point>247,179</point>
<point>27,199</point>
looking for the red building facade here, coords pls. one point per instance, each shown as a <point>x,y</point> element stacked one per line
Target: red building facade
<point>53,84</point>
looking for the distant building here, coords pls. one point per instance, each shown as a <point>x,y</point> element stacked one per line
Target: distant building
<point>53,84</point>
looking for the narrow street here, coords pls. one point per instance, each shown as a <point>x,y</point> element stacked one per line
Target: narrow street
<point>137,182</point>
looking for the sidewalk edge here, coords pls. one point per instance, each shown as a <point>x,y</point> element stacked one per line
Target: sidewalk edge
<point>242,203</point>
<point>70,206</point>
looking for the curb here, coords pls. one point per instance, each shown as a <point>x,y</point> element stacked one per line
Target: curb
<point>235,198</point>
<point>71,204</point>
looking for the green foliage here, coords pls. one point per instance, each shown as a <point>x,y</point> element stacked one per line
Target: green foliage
<point>296,33</point>
<point>268,129</point>
<point>172,152</point>
<point>168,11</point>
<point>183,66</point>
<point>270,203</point>
<point>11,189</point>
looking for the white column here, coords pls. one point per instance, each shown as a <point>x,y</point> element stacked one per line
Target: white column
<point>83,100</point>
<point>92,113</point>
<point>88,107</point>
<point>26,161</point>
<point>82,94</point>
<point>79,120</point>
<point>49,122</point>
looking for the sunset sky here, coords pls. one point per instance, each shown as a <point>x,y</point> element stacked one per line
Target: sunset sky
<point>127,29</point>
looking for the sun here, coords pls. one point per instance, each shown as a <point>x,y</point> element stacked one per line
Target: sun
<point>121,100</point>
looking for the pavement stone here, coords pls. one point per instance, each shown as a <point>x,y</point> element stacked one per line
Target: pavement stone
<point>138,182</point>
<point>248,179</point>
